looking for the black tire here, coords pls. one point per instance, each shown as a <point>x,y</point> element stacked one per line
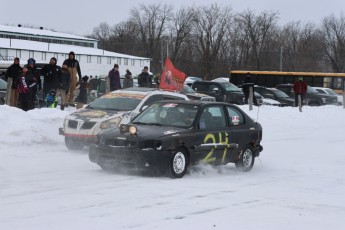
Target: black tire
<point>178,163</point>
<point>246,161</point>
<point>72,144</point>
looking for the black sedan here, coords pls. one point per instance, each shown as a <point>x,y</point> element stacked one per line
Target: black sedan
<point>169,136</point>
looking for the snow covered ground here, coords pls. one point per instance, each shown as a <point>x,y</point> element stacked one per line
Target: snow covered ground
<point>298,182</point>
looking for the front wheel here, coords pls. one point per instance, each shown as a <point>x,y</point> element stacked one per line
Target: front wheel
<point>178,164</point>
<point>246,161</point>
<point>72,144</point>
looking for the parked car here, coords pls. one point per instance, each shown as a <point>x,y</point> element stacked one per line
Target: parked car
<point>223,91</point>
<point>192,95</point>
<point>191,79</point>
<point>172,135</point>
<point>3,89</point>
<point>329,91</point>
<point>112,109</point>
<point>311,98</point>
<point>275,94</point>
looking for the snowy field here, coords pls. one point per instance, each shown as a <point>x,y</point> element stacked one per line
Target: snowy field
<point>298,182</point>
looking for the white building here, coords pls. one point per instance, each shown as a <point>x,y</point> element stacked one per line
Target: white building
<point>42,45</point>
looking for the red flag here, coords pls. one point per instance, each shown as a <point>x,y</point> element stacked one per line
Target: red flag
<point>172,79</point>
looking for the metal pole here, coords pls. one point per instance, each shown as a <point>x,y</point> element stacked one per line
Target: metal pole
<point>281,59</point>
<point>250,99</point>
<point>167,48</point>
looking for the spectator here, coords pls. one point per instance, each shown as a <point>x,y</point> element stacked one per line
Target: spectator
<point>64,86</point>
<point>114,78</point>
<point>26,83</point>
<point>11,76</point>
<point>247,84</point>
<point>144,79</point>
<point>32,69</point>
<point>300,88</point>
<point>128,81</point>
<point>52,76</point>
<point>82,96</point>
<point>75,76</point>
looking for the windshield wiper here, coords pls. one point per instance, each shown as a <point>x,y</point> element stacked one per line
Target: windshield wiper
<point>143,123</point>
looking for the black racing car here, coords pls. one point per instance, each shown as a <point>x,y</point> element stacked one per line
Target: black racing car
<point>171,135</point>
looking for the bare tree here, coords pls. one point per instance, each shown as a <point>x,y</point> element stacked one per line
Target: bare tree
<point>102,33</point>
<point>209,31</point>
<point>333,31</point>
<point>256,31</point>
<point>152,21</point>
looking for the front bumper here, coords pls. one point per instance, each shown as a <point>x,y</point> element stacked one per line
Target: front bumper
<point>120,155</point>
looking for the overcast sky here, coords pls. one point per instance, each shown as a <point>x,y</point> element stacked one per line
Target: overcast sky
<point>80,17</point>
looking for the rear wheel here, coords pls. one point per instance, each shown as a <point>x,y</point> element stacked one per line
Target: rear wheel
<point>246,161</point>
<point>72,144</point>
<point>178,164</point>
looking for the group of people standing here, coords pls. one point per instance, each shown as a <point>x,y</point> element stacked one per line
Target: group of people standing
<point>144,78</point>
<point>24,83</point>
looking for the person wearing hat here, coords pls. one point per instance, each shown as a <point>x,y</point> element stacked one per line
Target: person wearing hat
<point>300,88</point>
<point>75,74</point>
<point>26,82</point>
<point>114,78</point>
<point>52,77</point>
<point>128,81</point>
<point>82,96</point>
<point>11,76</point>
<point>32,69</point>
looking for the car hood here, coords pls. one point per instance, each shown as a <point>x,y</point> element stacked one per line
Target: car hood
<point>94,115</point>
<point>145,132</point>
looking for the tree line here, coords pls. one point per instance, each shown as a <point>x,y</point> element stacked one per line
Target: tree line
<point>208,41</point>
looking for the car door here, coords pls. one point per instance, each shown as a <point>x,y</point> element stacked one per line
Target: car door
<point>212,135</point>
<point>239,131</point>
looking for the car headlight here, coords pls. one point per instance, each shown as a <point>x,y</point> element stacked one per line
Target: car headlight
<point>133,130</point>
<point>111,123</point>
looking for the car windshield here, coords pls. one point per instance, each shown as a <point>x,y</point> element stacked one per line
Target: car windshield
<point>187,89</point>
<point>331,92</point>
<point>168,114</point>
<point>117,101</point>
<point>3,84</point>
<point>280,94</point>
<point>229,87</point>
<point>312,90</point>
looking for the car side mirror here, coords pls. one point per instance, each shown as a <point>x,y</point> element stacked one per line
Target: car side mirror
<point>143,108</point>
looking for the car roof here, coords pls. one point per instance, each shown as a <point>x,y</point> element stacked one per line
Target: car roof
<point>145,91</point>
<point>196,102</point>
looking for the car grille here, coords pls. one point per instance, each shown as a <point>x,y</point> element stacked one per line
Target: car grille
<point>72,124</point>
<point>118,142</point>
<point>88,125</point>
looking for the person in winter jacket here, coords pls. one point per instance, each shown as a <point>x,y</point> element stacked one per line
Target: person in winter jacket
<point>82,96</point>
<point>11,76</point>
<point>247,83</point>
<point>52,77</point>
<point>75,74</point>
<point>32,69</point>
<point>50,100</point>
<point>145,79</point>
<point>300,88</point>
<point>114,78</point>
<point>26,84</point>
<point>64,86</point>
<point>128,81</point>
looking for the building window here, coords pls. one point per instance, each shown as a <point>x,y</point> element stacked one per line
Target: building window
<point>125,62</point>
<point>31,54</point>
<point>141,62</point>
<point>88,58</point>
<point>44,56</point>
<point>119,61</point>
<point>77,57</point>
<point>99,60</point>
<point>109,60</point>
<point>18,53</point>
<point>132,62</point>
